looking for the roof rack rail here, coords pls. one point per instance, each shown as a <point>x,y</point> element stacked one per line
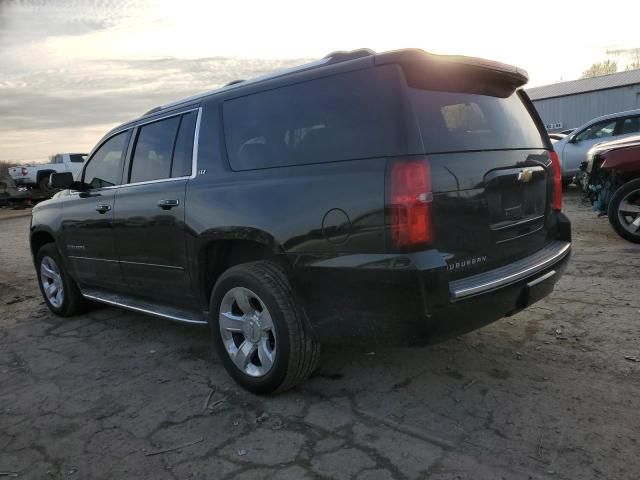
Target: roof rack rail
<point>233,82</point>
<point>344,55</point>
<point>153,110</point>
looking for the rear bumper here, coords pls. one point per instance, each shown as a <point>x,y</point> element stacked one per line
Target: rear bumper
<point>409,300</point>
<point>522,269</point>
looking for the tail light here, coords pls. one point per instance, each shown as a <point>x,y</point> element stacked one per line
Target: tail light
<point>409,204</point>
<point>24,171</point>
<point>557,182</point>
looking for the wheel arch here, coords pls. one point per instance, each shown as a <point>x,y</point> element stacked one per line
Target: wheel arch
<point>219,251</point>
<point>38,239</point>
<point>43,173</point>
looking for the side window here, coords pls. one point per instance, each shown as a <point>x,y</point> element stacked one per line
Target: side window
<point>342,117</point>
<point>183,153</point>
<point>153,150</point>
<point>104,169</point>
<point>630,125</point>
<point>598,130</point>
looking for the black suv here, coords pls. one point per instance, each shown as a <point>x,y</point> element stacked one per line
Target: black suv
<point>400,197</point>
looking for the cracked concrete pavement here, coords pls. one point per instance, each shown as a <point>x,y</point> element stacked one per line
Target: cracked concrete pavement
<point>546,394</point>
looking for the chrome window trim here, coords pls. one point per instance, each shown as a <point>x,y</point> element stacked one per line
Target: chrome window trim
<point>194,156</point>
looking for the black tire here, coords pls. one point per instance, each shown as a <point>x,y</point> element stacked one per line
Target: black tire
<point>72,302</point>
<point>43,184</point>
<point>297,351</point>
<point>614,204</point>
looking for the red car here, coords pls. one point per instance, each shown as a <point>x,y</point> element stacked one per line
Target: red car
<point>612,183</point>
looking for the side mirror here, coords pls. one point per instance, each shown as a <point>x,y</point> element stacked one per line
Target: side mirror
<point>572,139</point>
<point>61,181</point>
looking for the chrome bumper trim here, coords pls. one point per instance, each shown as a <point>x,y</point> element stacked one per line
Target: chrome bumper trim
<point>508,274</point>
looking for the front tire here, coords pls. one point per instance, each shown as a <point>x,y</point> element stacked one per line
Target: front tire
<point>59,290</point>
<point>259,330</point>
<point>624,211</point>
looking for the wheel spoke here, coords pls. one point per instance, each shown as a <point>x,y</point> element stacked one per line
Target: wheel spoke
<point>231,322</point>
<point>265,355</point>
<point>243,355</point>
<point>242,299</point>
<point>49,271</point>
<point>266,322</point>
<point>636,222</point>
<point>51,289</point>
<point>627,207</point>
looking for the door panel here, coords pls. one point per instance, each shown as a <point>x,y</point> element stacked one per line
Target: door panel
<point>87,226</point>
<point>88,241</point>
<point>150,240</point>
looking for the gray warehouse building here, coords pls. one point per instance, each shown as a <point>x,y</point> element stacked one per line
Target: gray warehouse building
<point>570,104</point>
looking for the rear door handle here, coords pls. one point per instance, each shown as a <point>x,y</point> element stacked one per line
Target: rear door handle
<point>101,208</point>
<point>168,204</point>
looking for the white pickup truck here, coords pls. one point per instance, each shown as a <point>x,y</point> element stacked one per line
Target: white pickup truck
<point>37,176</point>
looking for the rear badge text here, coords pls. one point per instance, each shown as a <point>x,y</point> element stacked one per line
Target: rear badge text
<point>467,262</point>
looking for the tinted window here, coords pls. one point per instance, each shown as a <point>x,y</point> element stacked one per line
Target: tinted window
<point>183,154</point>
<point>459,121</point>
<point>153,150</point>
<point>598,130</point>
<point>77,157</point>
<point>105,167</point>
<point>346,116</point>
<point>630,125</point>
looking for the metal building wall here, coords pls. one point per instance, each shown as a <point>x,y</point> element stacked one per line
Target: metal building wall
<point>574,110</point>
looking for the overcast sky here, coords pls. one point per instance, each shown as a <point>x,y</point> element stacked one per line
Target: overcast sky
<point>72,69</point>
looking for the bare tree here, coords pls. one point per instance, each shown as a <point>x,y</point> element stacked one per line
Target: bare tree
<point>601,68</point>
<point>634,63</point>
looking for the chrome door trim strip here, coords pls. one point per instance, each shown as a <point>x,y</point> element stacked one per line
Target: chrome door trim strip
<point>93,259</point>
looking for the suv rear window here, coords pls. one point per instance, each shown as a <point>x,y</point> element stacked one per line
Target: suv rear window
<point>458,121</point>
<point>341,117</point>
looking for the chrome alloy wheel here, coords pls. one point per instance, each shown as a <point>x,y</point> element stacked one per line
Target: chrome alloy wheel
<point>629,212</point>
<point>247,331</point>
<point>51,281</point>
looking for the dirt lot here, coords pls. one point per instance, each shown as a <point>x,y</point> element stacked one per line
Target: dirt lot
<point>547,393</point>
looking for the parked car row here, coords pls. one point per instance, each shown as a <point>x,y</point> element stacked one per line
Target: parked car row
<point>611,181</point>
<point>603,157</point>
<point>573,148</point>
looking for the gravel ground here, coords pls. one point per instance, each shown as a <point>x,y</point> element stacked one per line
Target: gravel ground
<point>547,393</point>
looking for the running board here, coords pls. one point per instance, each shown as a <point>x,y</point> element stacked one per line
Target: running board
<point>143,306</point>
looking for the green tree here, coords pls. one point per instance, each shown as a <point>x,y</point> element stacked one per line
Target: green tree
<point>601,68</point>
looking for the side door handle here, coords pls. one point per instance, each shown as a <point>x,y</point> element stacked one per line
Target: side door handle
<point>168,204</point>
<point>102,208</point>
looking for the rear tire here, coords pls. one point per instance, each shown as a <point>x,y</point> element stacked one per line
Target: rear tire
<point>59,290</point>
<point>259,330</point>
<point>43,184</point>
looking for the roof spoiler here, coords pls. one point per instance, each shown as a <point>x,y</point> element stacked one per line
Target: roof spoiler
<point>455,72</point>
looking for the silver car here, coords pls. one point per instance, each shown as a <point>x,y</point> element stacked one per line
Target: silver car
<point>572,150</point>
